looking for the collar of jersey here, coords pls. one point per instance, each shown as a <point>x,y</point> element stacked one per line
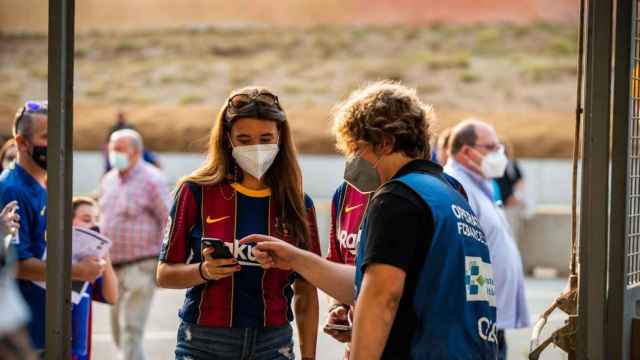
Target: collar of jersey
<point>250,192</point>
<point>26,178</point>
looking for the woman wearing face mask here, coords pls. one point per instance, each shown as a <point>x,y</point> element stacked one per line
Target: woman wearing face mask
<point>250,183</point>
<point>8,154</point>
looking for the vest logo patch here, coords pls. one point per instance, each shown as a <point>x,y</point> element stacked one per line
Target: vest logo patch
<point>468,224</point>
<point>487,330</point>
<point>479,281</point>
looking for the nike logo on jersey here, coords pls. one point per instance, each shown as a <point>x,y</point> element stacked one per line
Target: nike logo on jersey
<point>213,221</point>
<point>348,209</point>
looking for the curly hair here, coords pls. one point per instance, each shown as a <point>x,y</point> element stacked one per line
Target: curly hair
<point>384,108</point>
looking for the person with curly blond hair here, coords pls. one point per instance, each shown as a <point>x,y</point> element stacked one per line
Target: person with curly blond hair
<point>423,278</point>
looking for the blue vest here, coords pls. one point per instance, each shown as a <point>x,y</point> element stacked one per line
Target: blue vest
<point>455,296</point>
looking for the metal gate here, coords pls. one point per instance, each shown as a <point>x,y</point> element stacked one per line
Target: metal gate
<point>623,298</point>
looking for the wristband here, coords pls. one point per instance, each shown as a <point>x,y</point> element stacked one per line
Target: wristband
<point>200,271</point>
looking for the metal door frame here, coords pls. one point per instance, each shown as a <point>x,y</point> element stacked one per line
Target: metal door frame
<point>59,175</point>
<point>595,182</point>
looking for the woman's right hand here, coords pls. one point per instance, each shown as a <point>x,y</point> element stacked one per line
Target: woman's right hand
<point>216,269</point>
<point>272,252</point>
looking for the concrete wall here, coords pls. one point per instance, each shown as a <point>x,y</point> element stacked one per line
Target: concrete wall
<point>543,239</point>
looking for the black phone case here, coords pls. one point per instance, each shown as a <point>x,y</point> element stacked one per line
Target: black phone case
<point>222,252</point>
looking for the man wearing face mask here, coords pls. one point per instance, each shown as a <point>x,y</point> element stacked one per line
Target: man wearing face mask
<point>25,183</point>
<point>477,158</point>
<point>134,203</point>
<point>423,282</point>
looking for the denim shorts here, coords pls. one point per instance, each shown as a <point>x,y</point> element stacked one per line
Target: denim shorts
<point>205,343</point>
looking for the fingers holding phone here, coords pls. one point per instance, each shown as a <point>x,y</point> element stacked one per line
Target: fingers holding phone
<point>337,325</point>
<point>218,263</point>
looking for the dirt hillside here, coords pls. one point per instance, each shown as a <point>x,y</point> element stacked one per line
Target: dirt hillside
<point>171,83</point>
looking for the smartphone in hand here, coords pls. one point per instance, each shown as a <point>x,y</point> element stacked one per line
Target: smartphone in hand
<point>221,250</point>
<point>338,327</point>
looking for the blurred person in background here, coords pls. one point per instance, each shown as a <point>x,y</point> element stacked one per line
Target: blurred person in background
<point>14,338</point>
<point>134,201</point>
<point>121,124</point>
<point>512,193</point>
<point>348,208</point>
<point>477,158</point>
<point>85,214</point>
<point>250,183</point>
<point>25,183</point>
<point>8,154</point>
<point>442,146</point>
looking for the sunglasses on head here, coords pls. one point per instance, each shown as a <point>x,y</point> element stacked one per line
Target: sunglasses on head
<point>32,107</point>
<point>240,101</point>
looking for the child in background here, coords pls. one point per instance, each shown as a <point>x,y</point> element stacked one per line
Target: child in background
<point>104,289</point>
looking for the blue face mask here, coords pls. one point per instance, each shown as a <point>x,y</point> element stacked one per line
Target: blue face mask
<point>119,160</point>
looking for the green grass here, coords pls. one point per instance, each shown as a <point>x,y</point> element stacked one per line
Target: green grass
<point>427,89</point>
<point>191,99</point>
<point>545,70</point>
<point>319,64</point>
<point>469,77</point>
<point>293,88</point>
<point>454,61</point>
<point>39,72</point>
<point>96,92</point>
<point>125,45</point>
<point>562,46</point>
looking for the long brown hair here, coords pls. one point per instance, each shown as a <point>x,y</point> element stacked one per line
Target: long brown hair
<point>284,177</point>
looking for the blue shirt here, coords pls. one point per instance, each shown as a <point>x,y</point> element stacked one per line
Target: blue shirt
<point>81,318</point>
<point>17,184</point>
<point>512,311</point>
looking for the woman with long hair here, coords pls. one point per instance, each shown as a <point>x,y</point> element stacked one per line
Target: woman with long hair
<point>251,183</point>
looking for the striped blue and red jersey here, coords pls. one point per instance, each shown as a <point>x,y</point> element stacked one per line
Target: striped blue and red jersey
<point>252,297</point>
<point>348,209</point>
<point>81,321</point>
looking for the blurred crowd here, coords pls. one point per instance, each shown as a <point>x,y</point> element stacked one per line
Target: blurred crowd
<point>423,227</point>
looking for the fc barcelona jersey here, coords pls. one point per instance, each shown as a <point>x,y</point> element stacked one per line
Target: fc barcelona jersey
<point>348,208</point>
<point>252,297</point>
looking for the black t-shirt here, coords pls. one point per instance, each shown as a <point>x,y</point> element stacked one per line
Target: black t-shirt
<point>507,182</point>
<point>399,232</point>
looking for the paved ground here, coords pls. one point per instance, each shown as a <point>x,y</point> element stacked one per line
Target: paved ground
<point>161,329</point>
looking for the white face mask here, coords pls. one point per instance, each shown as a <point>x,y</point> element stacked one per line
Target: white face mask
<point>255,159</point>
<point>119,160</point>
<point>494,164</point>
